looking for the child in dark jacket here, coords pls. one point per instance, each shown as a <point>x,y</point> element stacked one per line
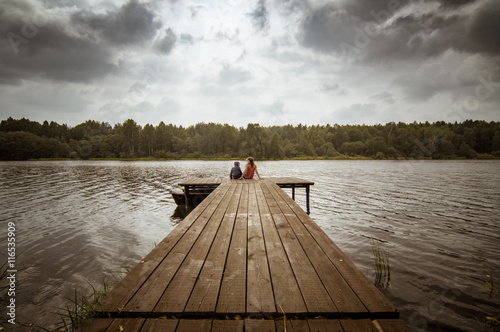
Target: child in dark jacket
<point>235,171</point>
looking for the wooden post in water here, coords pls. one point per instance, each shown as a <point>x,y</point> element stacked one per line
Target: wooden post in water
<point>308,211</point>
<point>186,196</point>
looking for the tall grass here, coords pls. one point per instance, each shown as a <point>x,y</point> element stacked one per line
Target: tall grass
<point>493,322</point>
<point>491,285</point>
<point>79,308</point>
<point>82,306</point>
<point>382,274</point>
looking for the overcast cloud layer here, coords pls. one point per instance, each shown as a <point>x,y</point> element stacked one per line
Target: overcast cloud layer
<point>239,61</point>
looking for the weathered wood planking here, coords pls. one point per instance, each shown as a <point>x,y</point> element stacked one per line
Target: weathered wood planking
<point>203,299</point>
<point>346,300</point>
<point>260,299</point>
<point>232,295</point>
<point>315,296</point>
<point>287,294</point>
<point>248,325</point>
<point>370,296</point>
<point>247,251</point>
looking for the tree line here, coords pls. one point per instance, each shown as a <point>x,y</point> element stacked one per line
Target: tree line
<point>22,139</point>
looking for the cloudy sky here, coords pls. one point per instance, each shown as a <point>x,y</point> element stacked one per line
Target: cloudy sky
<point>241,61</point>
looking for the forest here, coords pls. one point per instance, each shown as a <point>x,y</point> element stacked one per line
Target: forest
<point>22,139</point>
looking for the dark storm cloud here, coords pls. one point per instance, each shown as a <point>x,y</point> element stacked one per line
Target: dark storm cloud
<point>66,3</point>
<point>484,28</point>
<point>37,45</point>
<point>40,44</point>
<point>166,43</point>
<point>455,3</point>
<point>260,15</point>
<point>132,23</point>
<point>359,28</point>
<point>326,29</point>
<point>365,9</point>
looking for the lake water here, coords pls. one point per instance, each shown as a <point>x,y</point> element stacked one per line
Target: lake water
<point>80,222</point>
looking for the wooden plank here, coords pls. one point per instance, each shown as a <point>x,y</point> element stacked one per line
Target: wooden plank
<point>325,325</point>
<point>391,325</point>
<point>259,325</point>
<point>227,325</point>
<point>260,298</point>
<point>194,325</point>
<point>176,296</point>
<point>146,298</point>
<point>308,208</point>
<point>285,288</point>
<point>200,181</point>
<point>206,291</point>
<point>292,326</point>
<point>283,325</point>
<point>116,299</point>
<point>340,291</point>
<point>357,325</point>
<point>188,181</point>
<point>369,295</point>
<point>126,324</point>
<point>232,296</point>
<point>299,325</point>
<point>315,296</point>
<point>164,325</point>
<point>289,181</point>
<point>95,325</point>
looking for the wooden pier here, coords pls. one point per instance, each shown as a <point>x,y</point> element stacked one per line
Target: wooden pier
<point>248,258</point>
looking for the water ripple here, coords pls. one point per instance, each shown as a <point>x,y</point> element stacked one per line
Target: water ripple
<point>80,222</point>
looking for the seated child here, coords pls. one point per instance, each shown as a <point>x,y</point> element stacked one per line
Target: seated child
<point>235,171</point>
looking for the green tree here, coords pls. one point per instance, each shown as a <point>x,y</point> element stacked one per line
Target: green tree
<point>130,133</point>
<point>147,137</point>
<point>496,142</point>
<point>353,148</point>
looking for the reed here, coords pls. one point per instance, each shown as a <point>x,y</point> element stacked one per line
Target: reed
<point>492,322</point>
<point>491,285</point>
<point>82,306</point>
<point>382,274</point>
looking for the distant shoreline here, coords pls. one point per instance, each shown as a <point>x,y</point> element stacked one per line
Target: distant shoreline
<point>23,139</point>
<point>243,158</point>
